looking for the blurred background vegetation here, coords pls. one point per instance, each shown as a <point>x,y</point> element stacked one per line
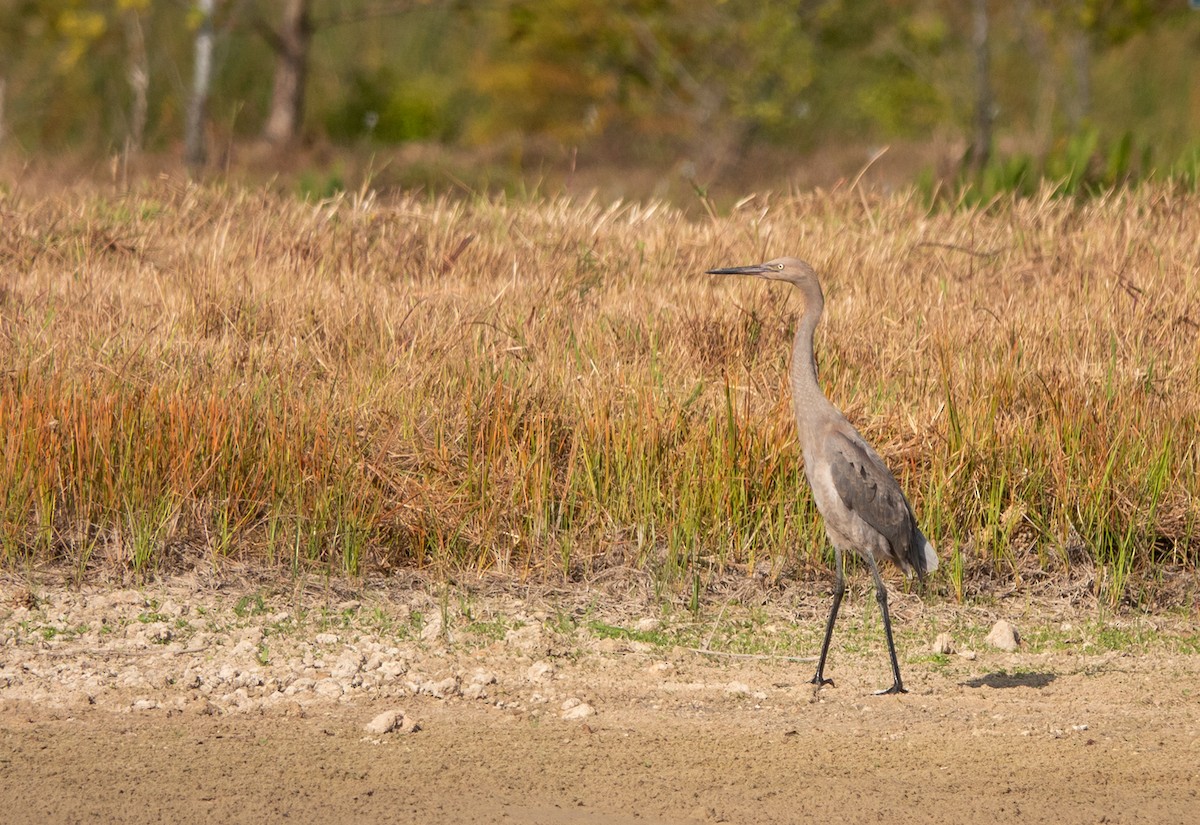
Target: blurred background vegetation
<point>635,97</point>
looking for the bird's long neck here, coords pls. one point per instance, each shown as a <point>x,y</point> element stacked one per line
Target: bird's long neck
<point>806,392</point>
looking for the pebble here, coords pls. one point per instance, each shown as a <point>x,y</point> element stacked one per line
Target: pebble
<point>943,644</point>
<point>1003,636</point>
<point>527,639</point>
<point>329,688</point>
<point>575,709</point>
<point>483,677</point>
<point>432,629</point>
<point>391,721</point>
<point>539,672</point>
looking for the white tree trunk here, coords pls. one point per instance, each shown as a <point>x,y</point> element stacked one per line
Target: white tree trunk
<point>139,82</point>
<point>194,150</point>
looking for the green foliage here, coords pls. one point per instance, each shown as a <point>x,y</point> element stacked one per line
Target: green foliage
<point>648,78</point>
<point>1081,166</point>
<point>380,106</point>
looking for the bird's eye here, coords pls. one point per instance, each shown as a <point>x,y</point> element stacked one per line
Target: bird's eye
<point>779,267</point>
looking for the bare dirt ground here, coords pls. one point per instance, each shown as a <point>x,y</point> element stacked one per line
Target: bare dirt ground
<point>192,700</point>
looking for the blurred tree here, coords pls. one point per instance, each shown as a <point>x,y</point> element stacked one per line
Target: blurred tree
<point>985,103</point>
<point>290,42</point>
<point>138,73</point>
<point>707,74</point>
<point>195,152</point>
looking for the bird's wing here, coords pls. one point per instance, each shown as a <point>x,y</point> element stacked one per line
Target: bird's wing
<point>867,487</point>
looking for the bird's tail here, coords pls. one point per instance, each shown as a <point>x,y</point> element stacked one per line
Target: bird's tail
<point>928,556</point>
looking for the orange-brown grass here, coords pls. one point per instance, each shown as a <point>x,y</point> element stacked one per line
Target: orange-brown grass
<point>193,373</point>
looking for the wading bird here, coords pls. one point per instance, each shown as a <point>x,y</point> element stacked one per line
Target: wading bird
<point>864,510</point>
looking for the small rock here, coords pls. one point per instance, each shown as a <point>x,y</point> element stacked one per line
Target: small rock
<point>474,692</point>
<point>576,712</point>
<point>610,645</point>
<point>483,677</point>
<point>528,638</point>
<point>943,644</point>
<point>326,639</point>
<point>385,722</point>
<point>443,689</point>
<point>245,649</point>
<point>737,687</point>
<point>347,666</point>
<point>348,606</point>
<point>539,672</point>
<point>647,625</point>
<point>1003,636</point>
<point>392,721</point>
<point>432,629</point>
<point>393,669</point>
<point>969,655</point>
<point>329,688</point>
<point>145,704</point>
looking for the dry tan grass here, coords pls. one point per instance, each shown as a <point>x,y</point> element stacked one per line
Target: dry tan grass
<point>199,372</point>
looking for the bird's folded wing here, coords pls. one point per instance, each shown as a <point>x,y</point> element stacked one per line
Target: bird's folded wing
<point>867,487</point>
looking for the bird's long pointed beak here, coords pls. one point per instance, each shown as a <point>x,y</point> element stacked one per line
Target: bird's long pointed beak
<point>756,269</point>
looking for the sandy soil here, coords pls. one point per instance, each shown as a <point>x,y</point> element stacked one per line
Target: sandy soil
<point>188,703</point>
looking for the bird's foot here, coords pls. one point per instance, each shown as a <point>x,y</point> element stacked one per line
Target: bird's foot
<point>820,681</point>
<point>896,688</point>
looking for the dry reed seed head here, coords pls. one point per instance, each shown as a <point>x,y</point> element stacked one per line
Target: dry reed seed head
<point>498,383</point>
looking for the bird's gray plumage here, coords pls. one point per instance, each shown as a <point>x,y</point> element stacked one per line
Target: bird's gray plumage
<point>868,490</point>
<point>864,509</point>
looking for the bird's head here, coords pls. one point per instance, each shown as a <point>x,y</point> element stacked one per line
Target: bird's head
<point>792,270</point>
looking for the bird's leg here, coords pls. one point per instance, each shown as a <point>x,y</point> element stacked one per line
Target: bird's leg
<point>839,590</point>
<point>881,597</point>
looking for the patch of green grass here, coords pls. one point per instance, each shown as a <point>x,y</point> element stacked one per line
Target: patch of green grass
<point>607,631</point>
<point>494,630</point>
<point>250,606</point>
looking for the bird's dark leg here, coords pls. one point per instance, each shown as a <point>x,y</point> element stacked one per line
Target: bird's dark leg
<point>881,597</point>
<point>839,590</point>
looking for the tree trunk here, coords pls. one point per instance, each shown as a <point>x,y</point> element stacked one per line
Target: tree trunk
<point>194,151</point>
<point>3,135</point>
<point>139,82</point>
<point>291,44</point>
<point>981,143</point>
